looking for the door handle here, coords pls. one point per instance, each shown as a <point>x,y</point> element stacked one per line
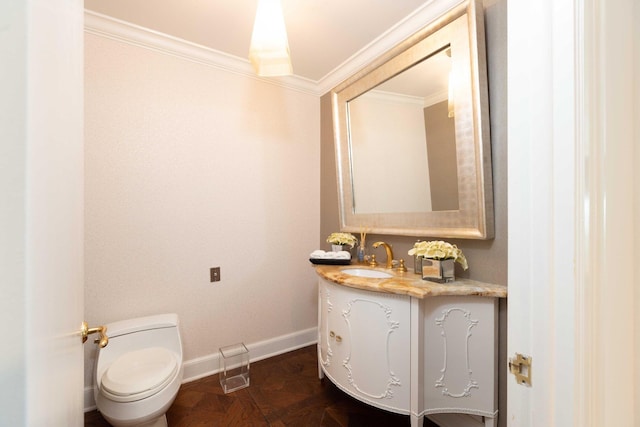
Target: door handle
<point>102,339</point>
<point>332,334</point>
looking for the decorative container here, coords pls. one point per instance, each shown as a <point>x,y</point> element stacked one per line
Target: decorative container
<point>234,367</point>
<point>417,264</point>
<point>337,248</point>
<point>438,270</point>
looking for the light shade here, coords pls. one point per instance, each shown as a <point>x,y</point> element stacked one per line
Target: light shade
<point>269,50</point>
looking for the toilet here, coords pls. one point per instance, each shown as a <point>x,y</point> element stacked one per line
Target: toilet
<point>138,374</point>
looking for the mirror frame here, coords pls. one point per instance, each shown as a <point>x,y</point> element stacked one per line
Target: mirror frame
<point>463,28</point>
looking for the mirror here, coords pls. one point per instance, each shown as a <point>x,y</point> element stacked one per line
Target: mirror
<point>412,110</point>
<point>412,135</point>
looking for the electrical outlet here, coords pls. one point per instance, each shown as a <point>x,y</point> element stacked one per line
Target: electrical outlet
<point>215,274</point>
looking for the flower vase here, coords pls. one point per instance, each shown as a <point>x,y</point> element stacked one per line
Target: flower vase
<point>337,248</point>
<point>438,270</point>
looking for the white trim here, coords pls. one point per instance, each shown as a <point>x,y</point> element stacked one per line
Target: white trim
<point>125,32</point>
<point>399,98</point>
<point>587,159</point>
<point>204,366</point>
<point>399,32</point>
<point>115,29</point>
<point>209,365</point>
<point>606,297</point>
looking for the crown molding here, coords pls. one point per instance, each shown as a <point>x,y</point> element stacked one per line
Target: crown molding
<point>396,98</point>
<point>125,32</point>
<point>115,29</point>
<point>422,16</point>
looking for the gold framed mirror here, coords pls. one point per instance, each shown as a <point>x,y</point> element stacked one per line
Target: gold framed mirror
<point>412,135</point>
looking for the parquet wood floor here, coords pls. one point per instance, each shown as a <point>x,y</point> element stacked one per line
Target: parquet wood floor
<point>284,391</point>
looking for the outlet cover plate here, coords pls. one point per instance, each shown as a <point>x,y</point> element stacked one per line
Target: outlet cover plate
<point>215,274</point>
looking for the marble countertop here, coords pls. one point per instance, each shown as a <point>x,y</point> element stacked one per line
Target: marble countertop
<point>408,283</point>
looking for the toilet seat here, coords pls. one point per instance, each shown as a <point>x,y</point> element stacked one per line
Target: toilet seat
<point>139,374</point>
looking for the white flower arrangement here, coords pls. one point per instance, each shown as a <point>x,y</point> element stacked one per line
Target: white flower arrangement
<point>438,249</point>
<point>342,239</point>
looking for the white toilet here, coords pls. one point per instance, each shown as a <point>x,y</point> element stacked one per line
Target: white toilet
<point>138,374</point>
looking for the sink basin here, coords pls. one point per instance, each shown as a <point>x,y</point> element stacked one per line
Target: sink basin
<point>365,272</point>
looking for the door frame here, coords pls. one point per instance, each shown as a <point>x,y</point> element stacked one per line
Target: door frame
<point>608,189</point>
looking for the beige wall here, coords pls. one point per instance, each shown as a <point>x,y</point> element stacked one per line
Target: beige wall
<point>396,119</point>
<point>190,167</point>
<point>442,162</point>
<point>487,259</point>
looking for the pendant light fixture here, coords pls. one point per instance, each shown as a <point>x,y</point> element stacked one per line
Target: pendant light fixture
<point>269,50</point>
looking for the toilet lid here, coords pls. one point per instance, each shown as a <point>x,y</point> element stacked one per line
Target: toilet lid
<point>139,371</point>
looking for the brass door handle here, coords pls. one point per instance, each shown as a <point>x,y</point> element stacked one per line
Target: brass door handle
<point>102,339</point>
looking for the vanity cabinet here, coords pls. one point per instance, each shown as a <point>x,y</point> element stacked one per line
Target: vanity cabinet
<point>363,344</point>
<point>410,355</point>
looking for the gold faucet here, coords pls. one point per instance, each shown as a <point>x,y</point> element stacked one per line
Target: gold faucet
<point>389,251</point>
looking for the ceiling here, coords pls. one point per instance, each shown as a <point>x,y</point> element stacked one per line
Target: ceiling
<point>323,34</point>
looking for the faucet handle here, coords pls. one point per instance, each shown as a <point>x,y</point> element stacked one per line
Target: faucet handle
<point>388,250</point>
<point>401,266</point>
<point>372,260</point>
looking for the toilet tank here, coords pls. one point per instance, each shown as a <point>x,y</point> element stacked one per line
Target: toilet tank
<point>135,334</point>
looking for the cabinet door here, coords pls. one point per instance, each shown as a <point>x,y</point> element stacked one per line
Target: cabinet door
<point>460,357</point>
<point>335,335</point>
<point>368,336</point>
<point>325,352</point>
<point>332,332</point>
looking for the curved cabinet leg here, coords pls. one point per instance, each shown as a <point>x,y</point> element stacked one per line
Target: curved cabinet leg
<point>417,421</point>
<point>320,371</point>
<point>490,422</point>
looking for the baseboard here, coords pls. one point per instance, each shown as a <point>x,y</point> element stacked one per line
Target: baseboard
<point>209,365</point>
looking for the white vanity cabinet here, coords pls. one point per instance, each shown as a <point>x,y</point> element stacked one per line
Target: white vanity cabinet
<point>364,344</point>
<point>410,355</point>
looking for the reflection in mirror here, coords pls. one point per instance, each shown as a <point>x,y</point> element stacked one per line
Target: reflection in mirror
<point>412,135</point>
<point>407,124</point>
